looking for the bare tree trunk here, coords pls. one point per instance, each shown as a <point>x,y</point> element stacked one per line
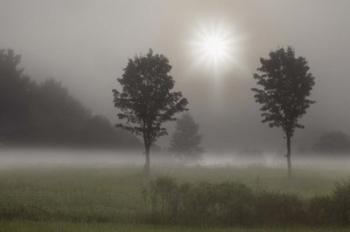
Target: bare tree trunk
<point>289,161</point>
<point>147,167</point>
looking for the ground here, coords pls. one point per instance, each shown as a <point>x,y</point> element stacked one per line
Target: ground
<point>24,226</point>
<point>110,198</point>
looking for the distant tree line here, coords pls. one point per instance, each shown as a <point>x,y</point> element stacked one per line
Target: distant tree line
<point>335,142</point>
<point>46,114</point>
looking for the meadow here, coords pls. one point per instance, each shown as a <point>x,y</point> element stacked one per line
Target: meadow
<point>25,226</point>
<point>76,198</point>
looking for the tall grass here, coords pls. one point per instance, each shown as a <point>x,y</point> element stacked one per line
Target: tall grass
<point>230,203</point>
<point>28,226</point>
<point>72,194</point>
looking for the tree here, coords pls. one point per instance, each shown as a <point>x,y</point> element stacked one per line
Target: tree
<point>98,132</point>
<point>333,142</point>
<point>46,113</point>
<point>147,101</point>
<point>186,140</point>
<point>286,84</point>
<point>16,92</point>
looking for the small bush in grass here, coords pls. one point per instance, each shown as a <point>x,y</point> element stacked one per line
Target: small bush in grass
<point>236,204</point>
<point>321,210</point>
<point>277,208</point>
<point>201,203</point>
<point>341,203</point>
<point>165,197</point>
<point>198,203</point>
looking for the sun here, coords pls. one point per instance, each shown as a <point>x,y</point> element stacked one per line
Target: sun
<point>214,46</point>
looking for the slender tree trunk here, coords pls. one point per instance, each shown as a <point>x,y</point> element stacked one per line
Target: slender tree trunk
<point>147,167</point>
<point>289,161</point>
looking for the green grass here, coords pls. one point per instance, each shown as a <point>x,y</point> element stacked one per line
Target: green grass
<point>27,226</point>
<point>71,194</point>
<point>107,199</point>
<point>305,182</point>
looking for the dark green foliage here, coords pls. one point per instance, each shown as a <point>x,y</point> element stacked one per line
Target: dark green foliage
<point>164,193</point>
<point>46,114</point>
<point>113,195</point>
<point>186,140</point>
<point>285,84</point>
<point>147,101</point>
<point>280,209</point>
<point>341,203</point>
<point>198,203</point>
<point>235,204</point>
<point>333,209</point>
<point>55,116</point>
<point>16,90</point>
<point>321,210</point>
<point>202,203</point>
<point>99,132</point>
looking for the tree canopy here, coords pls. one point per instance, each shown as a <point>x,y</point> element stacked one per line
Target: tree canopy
<point>147,99</point>
<point>285,85</point>
<point>186,140</point>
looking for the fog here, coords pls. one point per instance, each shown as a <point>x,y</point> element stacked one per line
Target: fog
<point>78,158</point>
<point>85,44</point>
<point>180,115</point>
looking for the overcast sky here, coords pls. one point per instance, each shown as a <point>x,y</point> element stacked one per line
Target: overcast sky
<point>85,44</point>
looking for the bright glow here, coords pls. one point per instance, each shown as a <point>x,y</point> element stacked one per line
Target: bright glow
<point>214,46</point>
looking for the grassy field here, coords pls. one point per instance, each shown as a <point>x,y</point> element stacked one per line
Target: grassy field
<point>110,199</point>
<point>24,226</point>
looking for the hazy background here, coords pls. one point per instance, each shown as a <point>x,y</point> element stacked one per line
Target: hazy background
<point>85,44</point>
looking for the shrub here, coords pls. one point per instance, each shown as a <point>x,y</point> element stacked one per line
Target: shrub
<point>321,210</point>
<point>201,203</point>
<point>236,204</point>
<point>198,203</point>
<point>162,195</point>
<point>341,203</point>
<point>281,209</point>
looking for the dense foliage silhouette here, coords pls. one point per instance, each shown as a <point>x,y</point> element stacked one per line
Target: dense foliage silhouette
<point>285,84</point>
<point>186,140</point>
<point>46,114</point>
<point>146,100</point>
<point>333,142</point>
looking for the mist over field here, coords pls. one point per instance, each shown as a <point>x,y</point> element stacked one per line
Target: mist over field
<point>15,158</point>
<point>174,115</point>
